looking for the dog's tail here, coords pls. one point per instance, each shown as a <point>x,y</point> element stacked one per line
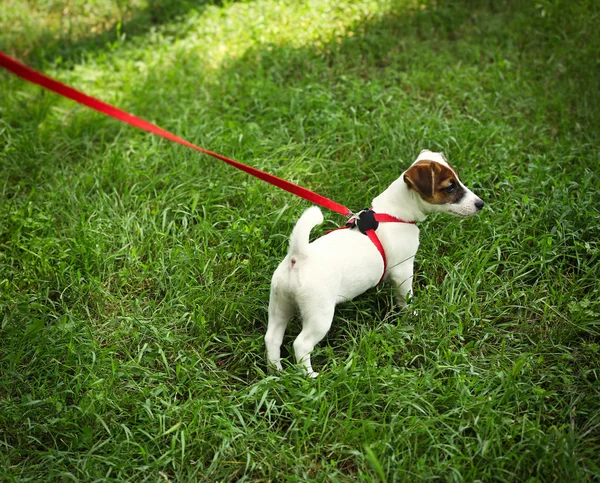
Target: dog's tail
<point>299,239</point>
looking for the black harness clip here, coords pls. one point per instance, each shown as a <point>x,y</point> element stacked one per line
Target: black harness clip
<point>364,220</point>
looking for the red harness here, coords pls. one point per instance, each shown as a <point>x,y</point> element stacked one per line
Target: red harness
<point>367,222</point>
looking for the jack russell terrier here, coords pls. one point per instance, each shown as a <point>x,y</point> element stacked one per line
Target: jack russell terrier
<point>314,277</point>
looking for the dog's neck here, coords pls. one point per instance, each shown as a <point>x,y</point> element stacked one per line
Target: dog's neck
<point>400,201</point>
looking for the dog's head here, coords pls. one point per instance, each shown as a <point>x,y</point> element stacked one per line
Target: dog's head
<point>438,185</point>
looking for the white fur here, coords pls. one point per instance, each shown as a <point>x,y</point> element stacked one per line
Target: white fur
<point>314,277</point>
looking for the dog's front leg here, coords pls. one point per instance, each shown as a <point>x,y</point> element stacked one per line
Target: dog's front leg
<point>403,293</point>
<point>402,277</point>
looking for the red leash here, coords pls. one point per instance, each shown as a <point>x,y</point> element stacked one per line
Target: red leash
<point>59,88</point>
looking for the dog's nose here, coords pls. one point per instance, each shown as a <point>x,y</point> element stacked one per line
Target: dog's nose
<point>479,204</point>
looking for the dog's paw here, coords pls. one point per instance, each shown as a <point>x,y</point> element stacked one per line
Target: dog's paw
<point>405,304</point>
<point>274,367</point>
<point>400,303</point>
<point>313,374</point>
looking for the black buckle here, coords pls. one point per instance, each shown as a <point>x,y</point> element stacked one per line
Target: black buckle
<point>364,220</point>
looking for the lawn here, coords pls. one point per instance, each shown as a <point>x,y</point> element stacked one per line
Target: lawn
<point>134,273</point>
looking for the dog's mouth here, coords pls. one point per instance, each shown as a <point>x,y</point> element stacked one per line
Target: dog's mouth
<point>465,212</point>
<point>466,209</point>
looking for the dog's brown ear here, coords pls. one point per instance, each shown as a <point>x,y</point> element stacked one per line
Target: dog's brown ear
<point>421,178</point>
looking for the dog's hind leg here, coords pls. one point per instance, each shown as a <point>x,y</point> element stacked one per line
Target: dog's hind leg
<point>315,324</point>
<point>281,310</point>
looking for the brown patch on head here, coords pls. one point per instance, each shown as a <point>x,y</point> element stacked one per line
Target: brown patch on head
<point>436,183</point>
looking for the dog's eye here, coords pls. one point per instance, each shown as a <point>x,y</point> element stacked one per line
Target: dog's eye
<point>450,188</point>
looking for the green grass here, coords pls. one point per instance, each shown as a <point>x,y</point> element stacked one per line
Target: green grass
<point>134,273</point>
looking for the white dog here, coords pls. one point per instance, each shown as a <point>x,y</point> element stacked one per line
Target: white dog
<point>314,277</point>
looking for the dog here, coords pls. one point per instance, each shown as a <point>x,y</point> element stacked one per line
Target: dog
<point>314,277</point>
